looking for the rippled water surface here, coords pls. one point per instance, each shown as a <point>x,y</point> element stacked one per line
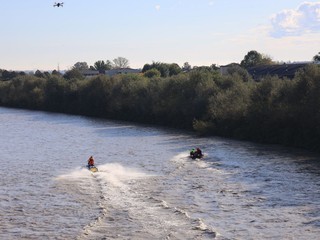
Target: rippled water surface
<point>147,187</point>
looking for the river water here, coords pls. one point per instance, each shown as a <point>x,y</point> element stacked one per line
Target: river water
<point>147,187</point>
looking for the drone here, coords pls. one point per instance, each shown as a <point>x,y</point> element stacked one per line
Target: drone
<point>59,4</point>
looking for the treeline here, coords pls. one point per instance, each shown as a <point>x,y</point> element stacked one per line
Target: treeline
<point>275,110</point>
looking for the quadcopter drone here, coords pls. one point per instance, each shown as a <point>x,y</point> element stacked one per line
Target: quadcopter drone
<point>59,4</point>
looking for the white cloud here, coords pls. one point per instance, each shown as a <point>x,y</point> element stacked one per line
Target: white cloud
<point>158,7</point>
<point>290,48</point>
<point>295,22</point>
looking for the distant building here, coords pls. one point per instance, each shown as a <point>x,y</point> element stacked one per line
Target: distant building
<point>90,73</point>
<point>113,72</point>
<point>280,70</point>
<point>259,72</point>
<point>224,69</point>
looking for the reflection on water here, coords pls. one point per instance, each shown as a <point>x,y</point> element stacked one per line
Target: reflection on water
<point>147,187</point>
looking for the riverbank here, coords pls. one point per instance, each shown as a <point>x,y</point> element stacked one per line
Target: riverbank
<point>276,111</point>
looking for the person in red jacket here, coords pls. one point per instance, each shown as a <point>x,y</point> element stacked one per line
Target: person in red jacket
<point>90,162</point>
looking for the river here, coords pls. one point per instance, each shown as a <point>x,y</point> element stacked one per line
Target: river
<point>147,187</point>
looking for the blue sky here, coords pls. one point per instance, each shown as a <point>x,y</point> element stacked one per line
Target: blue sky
<point>35,35</point>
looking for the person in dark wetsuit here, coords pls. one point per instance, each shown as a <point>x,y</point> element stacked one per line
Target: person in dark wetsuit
<point>199,152</point>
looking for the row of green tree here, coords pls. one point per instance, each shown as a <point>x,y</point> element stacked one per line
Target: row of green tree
<point>101,65</point>
<point>272,111</point>
<point>156,69</point>
<point>252,58</point>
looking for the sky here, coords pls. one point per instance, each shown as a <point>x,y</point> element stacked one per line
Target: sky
<point>35,35</point>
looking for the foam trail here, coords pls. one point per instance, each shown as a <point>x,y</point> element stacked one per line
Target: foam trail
<point>180,160</point>
<point>181,157</point>
<point>79,173</point>
<point>113,181</point>
<point>121,171</point>
<point>117,174</point>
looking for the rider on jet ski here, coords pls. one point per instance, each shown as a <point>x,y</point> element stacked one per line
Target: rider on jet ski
<point>196,153</point>
<point>90,162</point>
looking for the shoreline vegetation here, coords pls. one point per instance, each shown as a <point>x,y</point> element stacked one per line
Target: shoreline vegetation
<point>273,111</point>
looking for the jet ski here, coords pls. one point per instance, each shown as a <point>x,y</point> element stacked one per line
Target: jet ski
<point>92,168</point>
<point>196,154</point>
